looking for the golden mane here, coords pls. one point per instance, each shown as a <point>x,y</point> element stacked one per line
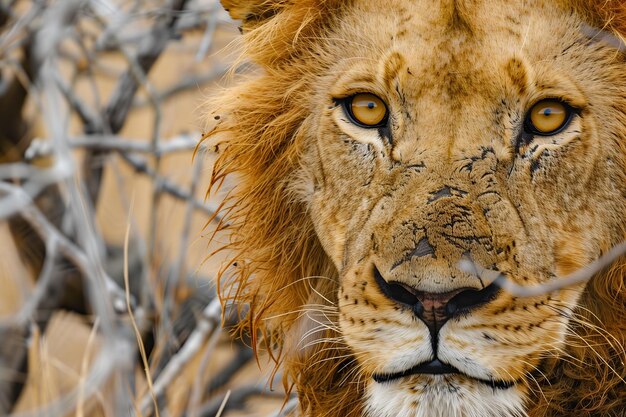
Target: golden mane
<point>607,14</point>
<point>598,334</point>
<point>278,266</point>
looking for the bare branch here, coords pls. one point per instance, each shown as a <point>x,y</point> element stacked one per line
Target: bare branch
<point>48,232</point>
<point>237,399</point>
<point>149,51</point>
<point>211,317</point>
<point>142,166</point>
<point>13,353</point>
<point>187,84</point>
<point>581,276</point>
<point>53,55</point>
<point>243,356</point>
<point>121,100</point>
<point>40,148</point>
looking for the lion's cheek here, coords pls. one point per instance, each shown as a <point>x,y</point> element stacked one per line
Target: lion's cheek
<point>505,347</point>
<point>382,336</point>
<point>571,254</point>
<point>507,361</point>
<point>330,230</point>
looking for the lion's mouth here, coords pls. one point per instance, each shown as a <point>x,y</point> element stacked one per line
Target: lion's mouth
<point>436,367</point>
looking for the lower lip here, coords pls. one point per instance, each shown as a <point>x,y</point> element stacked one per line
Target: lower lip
<point>436,367</point>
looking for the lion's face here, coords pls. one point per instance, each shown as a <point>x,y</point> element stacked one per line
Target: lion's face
<point>385,141</point>
<point>458,170</point>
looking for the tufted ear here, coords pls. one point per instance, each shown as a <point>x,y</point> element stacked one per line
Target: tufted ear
<point>274,29</point>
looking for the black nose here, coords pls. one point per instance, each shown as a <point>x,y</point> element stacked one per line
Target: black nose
<point>434,309</point>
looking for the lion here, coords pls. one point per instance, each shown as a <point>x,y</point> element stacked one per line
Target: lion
<point>380,143</point>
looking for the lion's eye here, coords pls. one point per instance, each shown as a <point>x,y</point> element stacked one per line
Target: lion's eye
<point>366,110</point>
<point>548,117</point>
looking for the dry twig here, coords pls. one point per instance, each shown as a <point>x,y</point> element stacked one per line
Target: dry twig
<point>581,276</point>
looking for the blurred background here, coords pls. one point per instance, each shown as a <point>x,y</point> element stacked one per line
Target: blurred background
<point>107,297</point>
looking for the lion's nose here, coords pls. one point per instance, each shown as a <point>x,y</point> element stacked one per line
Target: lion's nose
<point>434,309</point>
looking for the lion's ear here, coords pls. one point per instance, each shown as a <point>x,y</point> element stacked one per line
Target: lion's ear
<point>274,29</point>
<point>251,12</point>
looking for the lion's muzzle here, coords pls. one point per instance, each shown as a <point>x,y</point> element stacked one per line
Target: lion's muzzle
<point>435,309</point>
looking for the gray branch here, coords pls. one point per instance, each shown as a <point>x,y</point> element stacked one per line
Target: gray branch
<point>581,276</point>
<point>54,49</point>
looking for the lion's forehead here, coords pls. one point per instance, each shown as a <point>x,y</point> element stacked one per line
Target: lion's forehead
<point>453,24</point>
<point>451,48</point>
<point>458,60</point>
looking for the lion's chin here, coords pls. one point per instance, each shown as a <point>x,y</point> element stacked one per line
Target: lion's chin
<point>441,396</point>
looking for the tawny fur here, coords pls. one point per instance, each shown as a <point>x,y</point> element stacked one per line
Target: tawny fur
<point>287,249</point>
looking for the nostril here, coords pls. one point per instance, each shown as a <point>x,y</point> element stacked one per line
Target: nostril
<point>401,294</point>
<point>418,309</point>
<point>451,308</point>
<point>440,306</point>
<point>471,298</point>
<point>395,291</point>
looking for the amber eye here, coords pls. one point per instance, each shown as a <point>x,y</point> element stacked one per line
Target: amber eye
<point>548,117</point>
<point>366,110</point>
